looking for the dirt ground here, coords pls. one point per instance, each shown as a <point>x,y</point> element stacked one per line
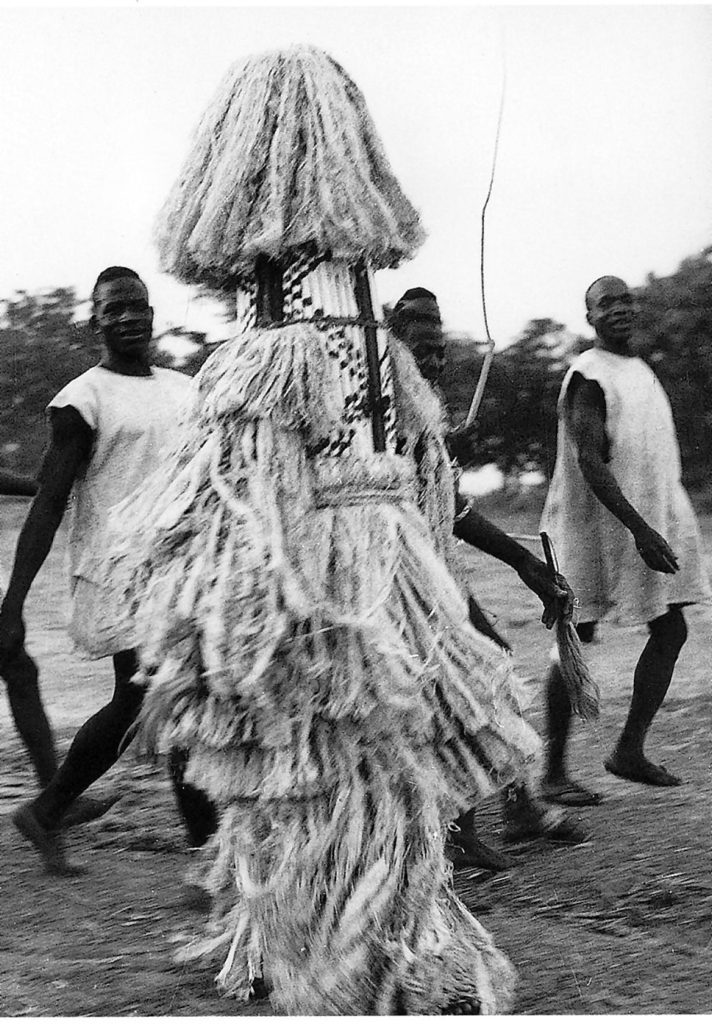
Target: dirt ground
<point>621,924</point>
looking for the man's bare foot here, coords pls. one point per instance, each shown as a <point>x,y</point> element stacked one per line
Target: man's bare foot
<point>47,843</point>
<point>568,793</point>
<point>640,769</point>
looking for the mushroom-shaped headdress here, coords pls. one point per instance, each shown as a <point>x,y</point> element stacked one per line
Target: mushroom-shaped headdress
<point>287,196</point>
<point>285,160</point>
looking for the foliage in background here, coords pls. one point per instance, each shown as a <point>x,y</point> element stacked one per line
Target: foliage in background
<point>675,338</point>
<point>518,414</point>
<point>517,417</point>
<point>45,341</point>
<point>42,347</point>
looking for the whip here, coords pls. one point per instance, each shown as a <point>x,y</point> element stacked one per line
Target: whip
<point>582,689</point>
<point>489,354</point>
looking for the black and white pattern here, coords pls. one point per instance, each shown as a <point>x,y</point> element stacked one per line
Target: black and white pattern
<point>319,290</point>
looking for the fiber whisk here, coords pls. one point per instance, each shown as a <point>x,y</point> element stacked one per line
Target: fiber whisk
<point>580,685</point>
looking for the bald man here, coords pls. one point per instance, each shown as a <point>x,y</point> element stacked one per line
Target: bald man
<point>624,530</point>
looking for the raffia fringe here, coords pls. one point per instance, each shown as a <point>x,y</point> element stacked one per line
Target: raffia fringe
<point>319,667</point>
<point>285,158</point>
<point>581,687</point>
<point>356,883</point>
<point>422,422</point>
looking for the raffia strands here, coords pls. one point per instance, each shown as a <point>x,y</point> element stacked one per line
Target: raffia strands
<point>286,158</point>
<point>422,423</point>
<point>371,647</point>
<point>316,661</point>
<point>358,883</point>
<point>243,451</point>
<point>580,685</point>
<point>284,375</point>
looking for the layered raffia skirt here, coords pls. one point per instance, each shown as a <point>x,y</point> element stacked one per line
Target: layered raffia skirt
<point>304,643</point>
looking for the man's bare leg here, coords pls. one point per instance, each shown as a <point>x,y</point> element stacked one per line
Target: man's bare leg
<point>557,787</point>
<point>651,682</point>
<point>199,814</point>
<point>29,716</point>
<point>95,748</point>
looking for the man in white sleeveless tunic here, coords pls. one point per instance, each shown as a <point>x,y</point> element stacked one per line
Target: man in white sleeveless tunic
<point>625,532</point>
<point>108,428</point>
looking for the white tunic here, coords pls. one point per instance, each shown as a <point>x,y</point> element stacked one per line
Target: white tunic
<point>133,418</point>
<point>596,552</point>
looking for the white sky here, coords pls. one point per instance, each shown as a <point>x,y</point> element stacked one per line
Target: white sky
<point>605,161</point>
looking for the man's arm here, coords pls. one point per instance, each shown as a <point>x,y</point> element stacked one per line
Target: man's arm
<point>550,587</point>
<point>474,529</point>
<point>14,483</point>
<point>69,448</point>
<point>588,426</point>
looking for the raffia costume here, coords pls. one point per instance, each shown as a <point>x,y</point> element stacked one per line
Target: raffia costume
<point>303,638</point>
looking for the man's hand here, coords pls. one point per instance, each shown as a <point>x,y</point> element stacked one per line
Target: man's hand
<point>550,587</point>
<point>462,444</point>
<point>655,550</point>
<point>12,636</point>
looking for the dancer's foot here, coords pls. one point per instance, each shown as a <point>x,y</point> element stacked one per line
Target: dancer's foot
<point>86,809</point>
<point>568,793</point>
<point>47,843</point>
<point>469,852</point>
<point>464,1006</point>
<point>638,768</point>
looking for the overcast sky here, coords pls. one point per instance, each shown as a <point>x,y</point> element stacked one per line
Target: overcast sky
<point>605,160</point>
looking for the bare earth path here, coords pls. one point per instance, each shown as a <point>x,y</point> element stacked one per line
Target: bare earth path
<point>622,924</point>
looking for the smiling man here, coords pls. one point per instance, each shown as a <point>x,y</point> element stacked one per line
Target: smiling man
<point>625,532</point>
<point>108,428</point>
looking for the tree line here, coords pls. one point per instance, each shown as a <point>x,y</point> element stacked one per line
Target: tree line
<point>46,340</point>
<point>517,419</point>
